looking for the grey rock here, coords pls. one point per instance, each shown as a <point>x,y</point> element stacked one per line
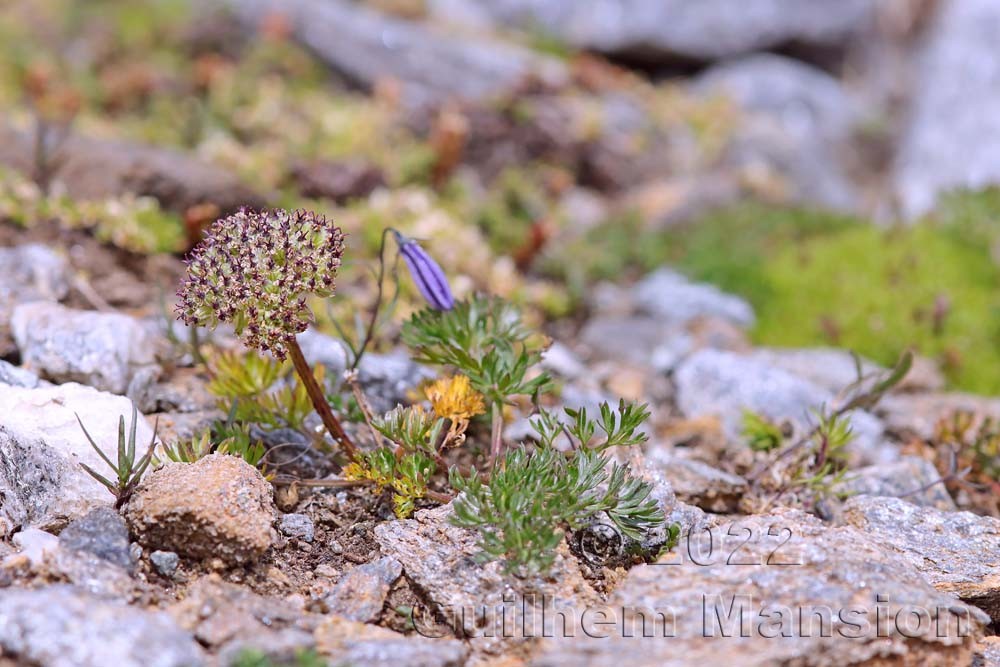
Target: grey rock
<point>46,626</point>
<point>835,369</point>
<point>17,377</point>
<point>439,559</point>
<point>430,65</point>
<point>957,552</point>
<point>95,168</point>
<point>35,545</point>
<point>953,140</point>
<point>228,617</point>
<point>101,532</point>
<point>804,100</point>
<point>356,643</point>
<point>697,483</point>
<point>636,340</point>
<point>723,384</point>
<point>911,478</point>
<point>91,573</point>
<point>360,594</point>
<point>318,348</point>
<point>218,507</point>
<point>165,562</point>
<point>830,368</point>
<point>667,30</point>
<point>42,446</point>
<point>388,378</point>
<point>988,653</point>
<point>796,118</point>
<point>31,272</point>
<point>670,297</point>
<point>762,577</point>
<point>297,526</point>
<point>918,414</point>
<point>560,360</point>
<point>103,350</point>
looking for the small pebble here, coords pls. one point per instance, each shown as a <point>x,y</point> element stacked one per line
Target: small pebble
<point>165,562</point>
<point>336,547</point>
<point>297,526</point>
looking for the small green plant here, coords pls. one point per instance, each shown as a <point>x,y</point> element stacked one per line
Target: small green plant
<point>761,434</point>
<point>406,474</point>
<point>127,469</point>
<point>826,464</point>
<point>238,375</point>
<point>485,339</point>
<point>815,464</point>
<point>257,658</point>
<point>531,498</point>
<point>223,438</point>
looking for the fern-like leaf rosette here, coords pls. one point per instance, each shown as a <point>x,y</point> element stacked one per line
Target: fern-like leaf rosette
<point>254,269</point>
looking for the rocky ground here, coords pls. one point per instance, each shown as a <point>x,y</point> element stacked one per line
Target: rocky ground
<point>894,560</point>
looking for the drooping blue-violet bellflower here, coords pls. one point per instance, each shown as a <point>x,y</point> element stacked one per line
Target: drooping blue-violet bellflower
<point>426,273</point>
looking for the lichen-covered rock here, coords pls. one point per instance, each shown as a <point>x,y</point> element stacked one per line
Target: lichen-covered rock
<point>360,594</point>
<point>229,619</point>
<point>218,507</point>
<point>439,559</point>
<point>957,552</point>
<point>349,642</point>
<point>699,484</point>
<point>62,626</point>
<point>104,350</point>
<point>102,532</point>
<point>913,479</point>
<point>42,446</point>
<point>769,590</point>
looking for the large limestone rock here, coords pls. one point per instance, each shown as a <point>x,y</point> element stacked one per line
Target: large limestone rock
<point>769,590</point>
<point>671,30</point>
<point>104,350</point>
<point>953,140</point>
<point>796,121</point>
<point>62,626</point>
<point>724,384</point>
<point>957,552</point>
<point>42,446</point>
<point>31,272</point>
<point>429,65</point>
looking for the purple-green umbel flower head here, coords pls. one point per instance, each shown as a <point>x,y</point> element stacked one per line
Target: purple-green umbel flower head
<point>255,269</point>
<point>427,274</point>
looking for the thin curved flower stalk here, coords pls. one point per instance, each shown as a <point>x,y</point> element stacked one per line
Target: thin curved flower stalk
<point>254,270</point>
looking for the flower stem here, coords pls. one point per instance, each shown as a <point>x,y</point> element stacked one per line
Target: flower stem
<point>497,432</point>
<point>319,399</point>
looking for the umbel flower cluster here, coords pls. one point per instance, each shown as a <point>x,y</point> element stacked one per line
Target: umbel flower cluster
<point>255,269</point>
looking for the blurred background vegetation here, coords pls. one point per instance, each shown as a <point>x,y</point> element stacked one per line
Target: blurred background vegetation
<point>166,73</point>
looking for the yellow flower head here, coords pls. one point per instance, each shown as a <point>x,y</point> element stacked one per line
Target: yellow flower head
<point>455,399</point>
